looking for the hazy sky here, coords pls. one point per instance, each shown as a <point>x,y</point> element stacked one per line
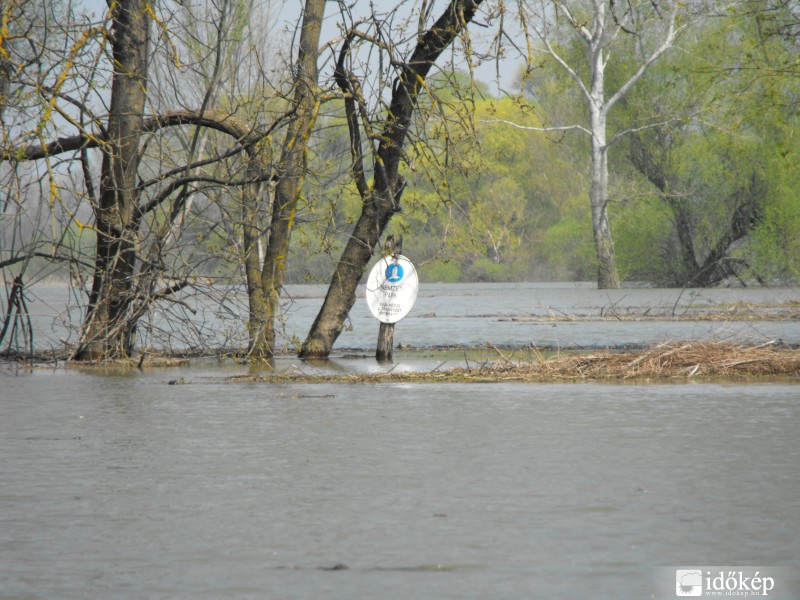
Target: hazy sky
<point>287,13</point>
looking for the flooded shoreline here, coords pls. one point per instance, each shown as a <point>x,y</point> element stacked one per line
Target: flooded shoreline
<point>665,362</point>
<point>218,478</point>
<point>548,316</point>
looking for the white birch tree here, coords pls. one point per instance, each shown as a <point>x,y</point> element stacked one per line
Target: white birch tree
<point>601,25</point>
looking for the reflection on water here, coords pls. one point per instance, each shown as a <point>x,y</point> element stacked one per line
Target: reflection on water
<point>462,314</point>
<point>121,486</point>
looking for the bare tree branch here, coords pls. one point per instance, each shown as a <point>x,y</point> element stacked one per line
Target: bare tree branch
<point>541,129</point>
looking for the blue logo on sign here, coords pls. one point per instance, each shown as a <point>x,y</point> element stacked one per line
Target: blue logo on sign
<point>394,273</point>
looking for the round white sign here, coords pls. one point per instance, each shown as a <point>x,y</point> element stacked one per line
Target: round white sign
<point>392,288</point>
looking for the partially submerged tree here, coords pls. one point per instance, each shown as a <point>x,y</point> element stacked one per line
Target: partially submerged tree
<point>701,260</point>
<point>264,283</point>
<point>108,331</point>
<point>381,198</point>
<point>599,26</point>
<point>714,169</point>
<point>150,181</point>
<point>144,189</point>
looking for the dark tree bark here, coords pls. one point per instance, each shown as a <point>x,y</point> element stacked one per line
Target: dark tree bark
<point>5,78</point>
<point>382,199</point>
<point>123,284</point>
<point>107,332</point>
<point>257,172</point>
<point>653,161</point>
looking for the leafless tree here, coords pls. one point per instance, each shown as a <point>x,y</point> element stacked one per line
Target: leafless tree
<point>264,283</point>
<point>190,165</point>
<point>383,140</point>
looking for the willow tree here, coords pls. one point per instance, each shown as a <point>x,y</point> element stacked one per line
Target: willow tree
<point>107,331</point>
<point>114,208</point>
<point>720,174</point>
<point>384,145</point>
<point>140,198</point>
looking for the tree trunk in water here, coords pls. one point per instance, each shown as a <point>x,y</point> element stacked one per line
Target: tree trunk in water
<point>382,200</point>
<point>684,227</point>
<point>257,303</point>
<point>598,189</point>
<point>607,277</point>
<point>264,291</point>
<point>341,294</point>
<point>747,214</point>
<point>107,332</point>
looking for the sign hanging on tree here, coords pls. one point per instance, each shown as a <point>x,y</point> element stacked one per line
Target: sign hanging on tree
<point>392,288</point>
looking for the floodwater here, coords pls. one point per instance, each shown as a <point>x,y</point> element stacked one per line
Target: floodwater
<point>517,314</point>
<point>179,483</point>
<point>120,485</point>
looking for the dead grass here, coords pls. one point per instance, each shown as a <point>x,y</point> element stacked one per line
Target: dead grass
<point>663,362</point>
<point>668,361</point>
<point>141,362</point>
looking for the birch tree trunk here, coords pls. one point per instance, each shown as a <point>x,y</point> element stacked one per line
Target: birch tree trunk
<point>599,24</point>
<point>607,276</point>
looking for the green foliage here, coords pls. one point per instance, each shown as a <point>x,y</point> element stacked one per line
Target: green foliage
<point>568,247</point>
<point>642,231</point>
<point>484,269</point>
<point>439,271</point>
<point>774,248</point>
<point>491,201</point>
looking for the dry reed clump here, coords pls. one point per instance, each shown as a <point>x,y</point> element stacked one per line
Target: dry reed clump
<point>667,360</point>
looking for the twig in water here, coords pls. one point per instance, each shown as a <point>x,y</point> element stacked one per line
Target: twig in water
<point>612,309</point>
<point>296,368</point>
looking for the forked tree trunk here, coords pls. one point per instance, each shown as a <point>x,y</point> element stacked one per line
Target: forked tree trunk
<point>747,213</point>
<point>599,23</point>
<point>382,199</point>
